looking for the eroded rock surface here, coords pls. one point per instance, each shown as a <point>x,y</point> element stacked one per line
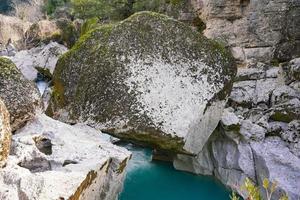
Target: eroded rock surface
<point>260,30</point>
<point>12,28</point>
<point>5,134</point>
<point>273,160</point>
<point>40,59</point>
<point>259,133</point>
<point>142,79</point>
<point>20,96</point>
<point>81,165</point>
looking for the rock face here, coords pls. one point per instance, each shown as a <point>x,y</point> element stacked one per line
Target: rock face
<point>19,95</point>
<point>5,134</point>
<point>142,80</point>
<point>27,10</point>
<point>63,31</point>
<point>40,31</point>
<point>51,160</point>
<point>274,161</point>
<point>40,59</point>
<point>12,28</point>
<point>261,30</point>
<point>259,133</point>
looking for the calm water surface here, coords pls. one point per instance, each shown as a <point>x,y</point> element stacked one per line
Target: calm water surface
<point>148,180</point>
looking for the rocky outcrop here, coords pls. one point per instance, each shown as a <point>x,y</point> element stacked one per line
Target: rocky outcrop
<point>142,80</point>
<point>51,160</point>
<point>265,31</point>
<point>40,31</point>
<point>63,31</point>
<point>5,134</point>
<point>28,10</point>
<point>273,160</point>
<point>258,136</point>
<point>20,96</point>
<point>41,59</point>
<point>12,28</point>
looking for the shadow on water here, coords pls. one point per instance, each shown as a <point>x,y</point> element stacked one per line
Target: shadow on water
<point>5,6</point>
<point>152,180</point>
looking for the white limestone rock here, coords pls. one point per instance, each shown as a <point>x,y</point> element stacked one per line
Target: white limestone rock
<point>51,160</point>
<point>274,161</point>
<point>44,57</point>
<point>252,131</point>
<point>243,93</point>
<point>283,94</point>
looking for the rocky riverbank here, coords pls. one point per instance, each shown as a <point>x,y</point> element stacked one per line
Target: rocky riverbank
<point>158,82</point>
<point>52,160</point>
<point>45,158</point>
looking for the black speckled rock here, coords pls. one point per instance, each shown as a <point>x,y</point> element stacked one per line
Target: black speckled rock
<point>149,79</point>
<point>20,96</point>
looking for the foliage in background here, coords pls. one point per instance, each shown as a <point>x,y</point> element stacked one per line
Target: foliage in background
<point>101,9</point>
<point>253,192</point>
<point>118,9</point>
<point>51,5</point>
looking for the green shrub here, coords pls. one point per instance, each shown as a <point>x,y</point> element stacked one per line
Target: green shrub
<point>51,5</point>
<point>88,25</point>
<point>119,9</point>
<point>253,192</point>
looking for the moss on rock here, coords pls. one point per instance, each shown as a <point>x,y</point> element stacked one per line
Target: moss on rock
<point>105,79</point>
<point>20,96</point>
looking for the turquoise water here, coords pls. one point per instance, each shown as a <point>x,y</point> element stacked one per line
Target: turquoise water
<point>148,180</point>
<point>5,5</point>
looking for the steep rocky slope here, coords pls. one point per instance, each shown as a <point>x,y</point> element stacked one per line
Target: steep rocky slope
<point>265,31</point>
<point>259,134</point>
<point>12,28</point>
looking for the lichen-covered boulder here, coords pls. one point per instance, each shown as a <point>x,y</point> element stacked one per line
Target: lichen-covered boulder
<point>20,96</point>
<point>150,79</point>
<point>5,134</point>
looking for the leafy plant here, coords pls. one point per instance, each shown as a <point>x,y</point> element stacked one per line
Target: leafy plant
<point>89,25</point>
<point>253,192</point>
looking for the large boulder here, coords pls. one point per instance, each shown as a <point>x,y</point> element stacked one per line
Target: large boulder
<point>20,96</point>
<point>150,79</point>
<point>52,160</point>
<point>5,134</point>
